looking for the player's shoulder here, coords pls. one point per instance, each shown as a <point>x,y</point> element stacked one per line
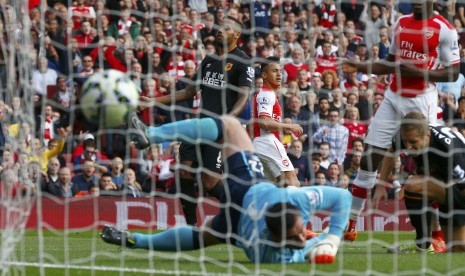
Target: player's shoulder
<point>239,53</point>
<point>403,19</point>
<point>442,21</point>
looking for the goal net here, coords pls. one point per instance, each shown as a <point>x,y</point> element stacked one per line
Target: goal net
<point>63,178</point>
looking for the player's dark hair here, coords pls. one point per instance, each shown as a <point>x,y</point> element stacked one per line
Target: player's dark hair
<point>281,217</point>
<point>415,121</point>
<point>268,61</point>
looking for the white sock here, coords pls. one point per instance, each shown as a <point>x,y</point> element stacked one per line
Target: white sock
<point>364,181</point>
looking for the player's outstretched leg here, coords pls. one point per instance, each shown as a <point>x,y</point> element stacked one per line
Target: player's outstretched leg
<point>172,240</point>
<point>205,129</point>
<point>112,235</point>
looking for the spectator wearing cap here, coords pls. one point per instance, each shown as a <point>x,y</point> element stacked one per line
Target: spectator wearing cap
<point>83,138</point>
<point>90,153</point>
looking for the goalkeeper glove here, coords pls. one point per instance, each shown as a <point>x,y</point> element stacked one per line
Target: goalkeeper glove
<point>325,251</point>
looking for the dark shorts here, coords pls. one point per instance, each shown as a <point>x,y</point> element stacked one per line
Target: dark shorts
<point>243,169</point>
<point>453,211</point>
<point>206,156</point>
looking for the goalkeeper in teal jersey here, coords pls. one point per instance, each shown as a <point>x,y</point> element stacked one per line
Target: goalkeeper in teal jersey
<point>268,222</point>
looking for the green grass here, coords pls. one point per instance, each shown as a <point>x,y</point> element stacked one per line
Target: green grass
<point>75,253</point>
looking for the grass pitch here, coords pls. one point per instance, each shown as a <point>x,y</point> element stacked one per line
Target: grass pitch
<point>83,253</point>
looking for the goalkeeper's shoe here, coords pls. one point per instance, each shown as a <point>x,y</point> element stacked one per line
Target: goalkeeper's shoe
<point>138,133</point>
<point>410,248</point>
<point>111,234</point>
<point>439,245</point>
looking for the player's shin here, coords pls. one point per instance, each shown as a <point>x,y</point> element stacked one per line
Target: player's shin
<point>361,187</point>
<point>188,200</point>
<point>420,220</point>
<point>209,129</point>
<point>172,240</point>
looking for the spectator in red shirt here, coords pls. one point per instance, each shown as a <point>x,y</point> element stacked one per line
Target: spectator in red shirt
<point>356,128</point>
<point>293,68</point>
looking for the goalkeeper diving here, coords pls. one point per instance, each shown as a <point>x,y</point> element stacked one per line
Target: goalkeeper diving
<point>268,222</point>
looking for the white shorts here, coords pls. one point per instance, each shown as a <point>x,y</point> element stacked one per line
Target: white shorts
<point>386,122</point>
<point>272,151</point>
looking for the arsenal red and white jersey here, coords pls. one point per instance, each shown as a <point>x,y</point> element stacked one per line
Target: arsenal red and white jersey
<point>79,13</point>
<point>266,103</point>
<point>427,44</point>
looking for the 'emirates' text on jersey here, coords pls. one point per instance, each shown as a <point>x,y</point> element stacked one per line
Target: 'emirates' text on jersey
<point>444,159</point>
<point>266,104</point>
<point>427,44</point>
<point>219,80</point>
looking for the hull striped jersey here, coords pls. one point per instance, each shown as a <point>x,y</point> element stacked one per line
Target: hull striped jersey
<point>427,44</point>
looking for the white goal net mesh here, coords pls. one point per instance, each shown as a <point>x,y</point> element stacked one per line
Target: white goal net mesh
<point>63,178</point>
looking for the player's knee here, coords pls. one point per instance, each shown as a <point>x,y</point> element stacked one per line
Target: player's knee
<point>209,181</point>
<point>230,122</point>
<point>183,174</point>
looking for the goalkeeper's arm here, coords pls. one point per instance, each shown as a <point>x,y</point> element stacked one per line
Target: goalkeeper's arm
<point>338,201</point>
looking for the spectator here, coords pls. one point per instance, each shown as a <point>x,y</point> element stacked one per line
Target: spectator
<point>300,163</point>
<point>87,177</point>
<point>459,116</point>
<point>324,150</point>
<point>148,94</point>
<point>64,187</point>
<point>354,164</point>
<point>356,128</point>
<point>334,174</point>
<point>321,116</point>
<point>63,94</point>
<point>293,68</point>
<point>85,37</point>
<point>43,77</point>
<point>384,42</point>
<point>52,177</point>
<point>299,116</point>
<point>124,25</point>
<point>327,60</point>
<point>320,178</point>
<point>373,19</point>
<point>107,186</point>
<point>86,71</point>
<point>116,172</point>
<point>131,187</point>
<point>336,135</point>
<point>80,12</point>
<point>90,153</point>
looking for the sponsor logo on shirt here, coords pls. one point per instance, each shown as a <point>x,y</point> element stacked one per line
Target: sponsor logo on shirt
<point>228,66</point>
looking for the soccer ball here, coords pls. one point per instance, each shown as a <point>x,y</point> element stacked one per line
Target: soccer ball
<point>108,98</point>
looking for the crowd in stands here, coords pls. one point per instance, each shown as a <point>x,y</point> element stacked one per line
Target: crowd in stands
<point>159,44</point>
